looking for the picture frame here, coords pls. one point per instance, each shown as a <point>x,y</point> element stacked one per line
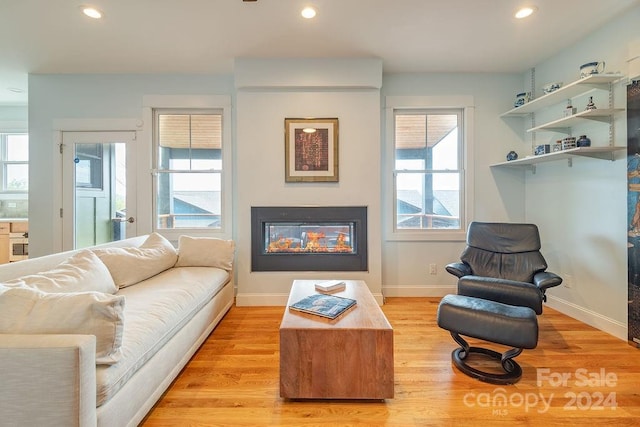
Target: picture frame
<point>311,150</point>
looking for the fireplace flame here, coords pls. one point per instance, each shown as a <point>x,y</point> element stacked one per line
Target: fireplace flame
<point>316,243</point>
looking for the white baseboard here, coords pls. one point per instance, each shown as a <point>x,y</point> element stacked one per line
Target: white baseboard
<point>591,318</point>
<point>247,300</point>
<point>419,291</point>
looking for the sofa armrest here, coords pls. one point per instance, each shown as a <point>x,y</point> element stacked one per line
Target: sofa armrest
<point>48,380</point>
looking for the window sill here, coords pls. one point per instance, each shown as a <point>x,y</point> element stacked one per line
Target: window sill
<point>427,236</point>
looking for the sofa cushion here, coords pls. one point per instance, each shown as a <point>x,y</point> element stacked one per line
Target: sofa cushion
<point>157,308</point>
<point>130,265</point>
<point>30,311</point>
<point>205,252</point>
<point>83,272</point>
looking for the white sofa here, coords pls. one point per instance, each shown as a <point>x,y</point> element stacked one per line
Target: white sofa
<point>67,378</point>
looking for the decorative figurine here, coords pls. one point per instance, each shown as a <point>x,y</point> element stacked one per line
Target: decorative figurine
<point>569,110</point>
<point>591,105</point>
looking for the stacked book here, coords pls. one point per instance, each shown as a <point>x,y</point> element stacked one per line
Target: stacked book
<point>330,286</point>
<point>329,306</point>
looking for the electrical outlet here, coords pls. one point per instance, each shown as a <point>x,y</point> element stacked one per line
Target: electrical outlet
<point>567,281</point>
<point>433,269</point>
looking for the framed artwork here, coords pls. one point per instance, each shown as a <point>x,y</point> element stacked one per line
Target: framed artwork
<point>311,150</point>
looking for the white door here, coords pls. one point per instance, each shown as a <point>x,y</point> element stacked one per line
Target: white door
<point>98,188</point>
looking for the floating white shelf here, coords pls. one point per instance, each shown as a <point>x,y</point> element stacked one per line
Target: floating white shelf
<point>605,153</point>
<point>564,124</point>
<point>595,81</point>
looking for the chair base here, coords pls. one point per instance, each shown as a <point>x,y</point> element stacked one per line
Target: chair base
<point>511,368</point>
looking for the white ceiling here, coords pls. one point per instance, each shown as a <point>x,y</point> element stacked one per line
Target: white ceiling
<point>204,36</point>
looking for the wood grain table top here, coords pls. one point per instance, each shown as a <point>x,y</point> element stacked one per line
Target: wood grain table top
<point>366,314</point>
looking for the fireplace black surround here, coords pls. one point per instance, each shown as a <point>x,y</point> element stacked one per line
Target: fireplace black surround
<point>309,238</point>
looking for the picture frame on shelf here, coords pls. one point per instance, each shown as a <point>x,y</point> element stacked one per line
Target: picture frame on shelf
<point>311,150</point>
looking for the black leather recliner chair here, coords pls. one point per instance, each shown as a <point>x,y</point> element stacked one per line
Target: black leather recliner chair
<point>502,262</point>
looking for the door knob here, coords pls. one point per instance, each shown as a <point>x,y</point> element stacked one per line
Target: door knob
<point>130,220</point>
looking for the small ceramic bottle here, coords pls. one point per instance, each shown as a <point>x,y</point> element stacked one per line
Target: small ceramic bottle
<point>583,141</point>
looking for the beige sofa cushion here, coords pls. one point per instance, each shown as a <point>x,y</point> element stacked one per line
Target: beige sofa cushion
<point>157,309</point>
<point>30,311</point>
<point>205,252</point>
<point>129,265</point>
<point>83,272</point>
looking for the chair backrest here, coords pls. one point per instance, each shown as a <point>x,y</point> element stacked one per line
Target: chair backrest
<point>504,250</point>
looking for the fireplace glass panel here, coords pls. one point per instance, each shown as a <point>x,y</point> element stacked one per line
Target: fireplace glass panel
<point>305,237</point>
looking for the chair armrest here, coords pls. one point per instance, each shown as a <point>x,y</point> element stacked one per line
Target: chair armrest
<point>546,279</point>
<point>458,269</point>
<point>48,379</point>
<point>509,292</point>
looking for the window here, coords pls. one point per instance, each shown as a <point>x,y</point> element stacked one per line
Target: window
<point>428,190</point>
<point>89,163</point>
<point>427,169</point>
<point>188,155</point>
<point>14,157</point>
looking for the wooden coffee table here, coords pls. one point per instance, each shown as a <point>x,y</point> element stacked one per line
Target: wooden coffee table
<point>350,357</point>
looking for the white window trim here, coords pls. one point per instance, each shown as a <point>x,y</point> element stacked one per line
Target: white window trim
<point>426,102</point>
<point>209,102</point>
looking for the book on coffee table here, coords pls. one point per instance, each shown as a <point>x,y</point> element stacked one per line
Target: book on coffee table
<point>331,286</point>
<point>329,306</point>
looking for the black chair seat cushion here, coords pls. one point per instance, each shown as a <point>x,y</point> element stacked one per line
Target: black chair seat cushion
<point>509,292</point>
<point>489,320</point>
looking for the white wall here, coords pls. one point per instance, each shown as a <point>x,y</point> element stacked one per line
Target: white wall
<point>582,210</point>
<point>11,114</point>
<point>498,193</point>
<point>263,103</point>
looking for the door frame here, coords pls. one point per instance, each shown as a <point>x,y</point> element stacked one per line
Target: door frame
<point>138,180</point>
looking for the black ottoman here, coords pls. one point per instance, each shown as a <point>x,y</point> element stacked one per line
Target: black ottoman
<point>491,321</point>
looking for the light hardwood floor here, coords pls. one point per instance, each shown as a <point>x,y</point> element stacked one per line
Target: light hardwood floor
<point>576,375</point>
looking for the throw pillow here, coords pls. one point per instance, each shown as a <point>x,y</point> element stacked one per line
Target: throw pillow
<point>82,272</point>
<point>30,311</point>
<point>131,265</point>
<point>205,252</point>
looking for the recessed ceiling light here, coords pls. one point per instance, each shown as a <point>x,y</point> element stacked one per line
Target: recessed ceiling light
<point>91,12</point>
<point>523,12</point>
<point>308,12</point>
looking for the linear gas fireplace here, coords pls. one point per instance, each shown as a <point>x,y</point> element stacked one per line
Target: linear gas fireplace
<point>317,238</point>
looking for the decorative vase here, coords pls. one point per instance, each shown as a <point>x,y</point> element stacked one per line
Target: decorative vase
<point>583,141</point>
<point>512,155</point>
